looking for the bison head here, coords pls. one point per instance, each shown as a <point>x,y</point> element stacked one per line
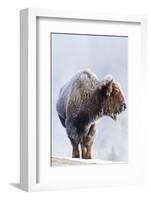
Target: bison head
<point>112,97</point>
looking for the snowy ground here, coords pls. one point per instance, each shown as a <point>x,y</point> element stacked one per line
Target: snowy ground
<point>66,161</point>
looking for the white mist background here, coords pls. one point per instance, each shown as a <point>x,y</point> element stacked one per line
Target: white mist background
<point>103,55</point>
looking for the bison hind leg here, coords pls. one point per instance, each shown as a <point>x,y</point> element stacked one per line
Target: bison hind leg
<point>74,138</point>
<point>62,121</point>
<point>75,148</point>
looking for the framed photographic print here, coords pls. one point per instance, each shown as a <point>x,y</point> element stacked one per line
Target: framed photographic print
<point>81,81</point>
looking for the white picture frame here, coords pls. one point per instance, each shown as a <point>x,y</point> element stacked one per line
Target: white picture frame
<point>34,175</point>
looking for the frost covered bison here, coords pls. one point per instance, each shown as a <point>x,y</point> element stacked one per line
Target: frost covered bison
<point>82,101</point>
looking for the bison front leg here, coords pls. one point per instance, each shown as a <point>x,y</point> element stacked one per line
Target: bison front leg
<point>87,142</point>
<point>86,151</point>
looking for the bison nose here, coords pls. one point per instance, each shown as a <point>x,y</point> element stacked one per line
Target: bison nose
<point>124,106</point>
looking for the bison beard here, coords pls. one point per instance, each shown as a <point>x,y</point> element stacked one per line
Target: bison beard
<point>82,101</point>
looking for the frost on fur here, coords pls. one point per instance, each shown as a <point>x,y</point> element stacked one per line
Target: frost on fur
<point>82,101</point>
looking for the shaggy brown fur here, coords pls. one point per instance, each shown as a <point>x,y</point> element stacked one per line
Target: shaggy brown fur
<point>82,101</point>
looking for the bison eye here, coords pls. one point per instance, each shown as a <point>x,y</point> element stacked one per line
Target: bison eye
<point>116,91</point>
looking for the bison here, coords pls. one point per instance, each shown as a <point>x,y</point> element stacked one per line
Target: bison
<point>82,101</point>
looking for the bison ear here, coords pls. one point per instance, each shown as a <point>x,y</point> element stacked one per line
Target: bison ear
<point>106,86</point>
